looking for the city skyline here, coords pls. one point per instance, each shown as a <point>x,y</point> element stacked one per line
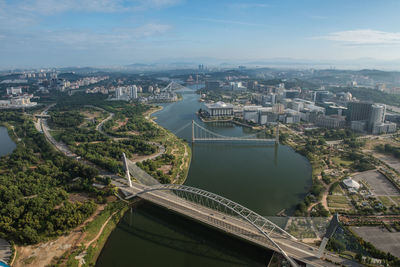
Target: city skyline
<point>39,33</point>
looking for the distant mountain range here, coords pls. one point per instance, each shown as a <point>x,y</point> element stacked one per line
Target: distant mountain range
<point>356,64</point>
<point>215,63</point>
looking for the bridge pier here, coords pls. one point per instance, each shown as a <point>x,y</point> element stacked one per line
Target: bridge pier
<point>277,134</point>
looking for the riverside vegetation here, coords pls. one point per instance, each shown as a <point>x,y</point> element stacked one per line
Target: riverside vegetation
<point>35,182</point>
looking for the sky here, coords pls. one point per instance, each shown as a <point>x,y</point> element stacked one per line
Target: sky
<point>55,33</point>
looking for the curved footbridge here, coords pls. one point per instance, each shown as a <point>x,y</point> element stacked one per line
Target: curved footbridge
<point>230,217</point>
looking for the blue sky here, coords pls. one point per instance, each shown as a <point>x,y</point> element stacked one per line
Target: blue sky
<point>117,32</point>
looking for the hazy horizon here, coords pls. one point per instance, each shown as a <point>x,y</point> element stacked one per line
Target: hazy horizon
<point>50,33</point>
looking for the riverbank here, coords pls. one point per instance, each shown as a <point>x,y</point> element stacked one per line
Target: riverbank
<point>102,226</point>
<point>174,145</point>
<point>319,191</point>
<point>81,246</point>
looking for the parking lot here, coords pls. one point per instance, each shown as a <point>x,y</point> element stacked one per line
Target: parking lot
<point>377,183</point>
<point>380,237</point>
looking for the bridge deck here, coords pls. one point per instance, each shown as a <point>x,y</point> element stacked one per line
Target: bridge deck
<point>233,226</point>
<point>234,139</point>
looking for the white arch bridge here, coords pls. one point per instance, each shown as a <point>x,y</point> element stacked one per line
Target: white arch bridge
<point>224,214</point>
<point>218,203</point>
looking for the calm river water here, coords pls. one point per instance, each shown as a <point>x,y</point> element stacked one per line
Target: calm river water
<point>7,145</point>
<point>263,178</point>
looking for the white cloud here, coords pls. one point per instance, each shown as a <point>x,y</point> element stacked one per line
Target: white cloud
<point>249,5</point>
<point>88,39</point>
<point>364,37</point>
<point>103,6</point>
<point>224,21</point>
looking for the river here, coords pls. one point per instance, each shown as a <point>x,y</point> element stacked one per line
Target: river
<point>7,145</point>
<point>264,178</point>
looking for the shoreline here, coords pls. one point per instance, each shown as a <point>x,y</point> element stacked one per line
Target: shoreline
<point>97,251</point>
<point>188,149</point>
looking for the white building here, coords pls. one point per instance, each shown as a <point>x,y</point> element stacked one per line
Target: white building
<point>118,92</point>
<point>133,92</point>
<point>14,91</point>
<point>18,102</point>
<point>350,183</point>
<point>220,109</point>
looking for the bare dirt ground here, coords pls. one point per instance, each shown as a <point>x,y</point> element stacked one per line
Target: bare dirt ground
<point>120,124</point>
<point>91,114</point>
<point>75,197</point>
<point>42,254</point>
<point>165,168</point>
<point>81,256</point>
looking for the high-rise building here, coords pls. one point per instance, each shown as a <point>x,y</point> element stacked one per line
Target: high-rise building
<point>358,111</point>
<point>377,115</point>
<point>118,92</point>
<point>133,92</point>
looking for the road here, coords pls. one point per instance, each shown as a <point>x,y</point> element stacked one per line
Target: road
<point>231,225</point>
<point>99,127</point>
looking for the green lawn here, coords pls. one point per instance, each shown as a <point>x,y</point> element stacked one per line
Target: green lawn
<point>339,161</point>
<point>386,201</point>
<point>338,190</point>
<point>396,199</point>
<point>338,202</point>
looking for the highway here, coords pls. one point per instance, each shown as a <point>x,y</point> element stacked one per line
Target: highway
<point>207,216</point>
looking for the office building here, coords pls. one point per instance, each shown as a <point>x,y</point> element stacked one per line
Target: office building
<point>358,111</point>
<point>358,126</point>
<point>333,121</point>
<point>377,115</point>
<point>213,85</point>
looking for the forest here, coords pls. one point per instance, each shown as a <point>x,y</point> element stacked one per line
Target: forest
<point>34,184</point>
<point>103,149</point>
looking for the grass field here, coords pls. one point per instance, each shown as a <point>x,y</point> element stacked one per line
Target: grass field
<point>385,201</point>
<point>396,199</point>
<point>338,202</point>
<point>338,191</point>
<point>340,161</point>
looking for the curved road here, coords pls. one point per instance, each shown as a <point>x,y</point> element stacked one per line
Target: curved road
<point>99,127</point>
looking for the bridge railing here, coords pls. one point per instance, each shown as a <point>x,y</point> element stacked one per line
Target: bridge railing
<point>268,230</point>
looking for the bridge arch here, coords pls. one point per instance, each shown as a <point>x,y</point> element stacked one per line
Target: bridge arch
<point>261,224</point>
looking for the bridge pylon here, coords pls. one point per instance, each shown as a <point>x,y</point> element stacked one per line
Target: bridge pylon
<point>127,169</point>
<point>193,138</point>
